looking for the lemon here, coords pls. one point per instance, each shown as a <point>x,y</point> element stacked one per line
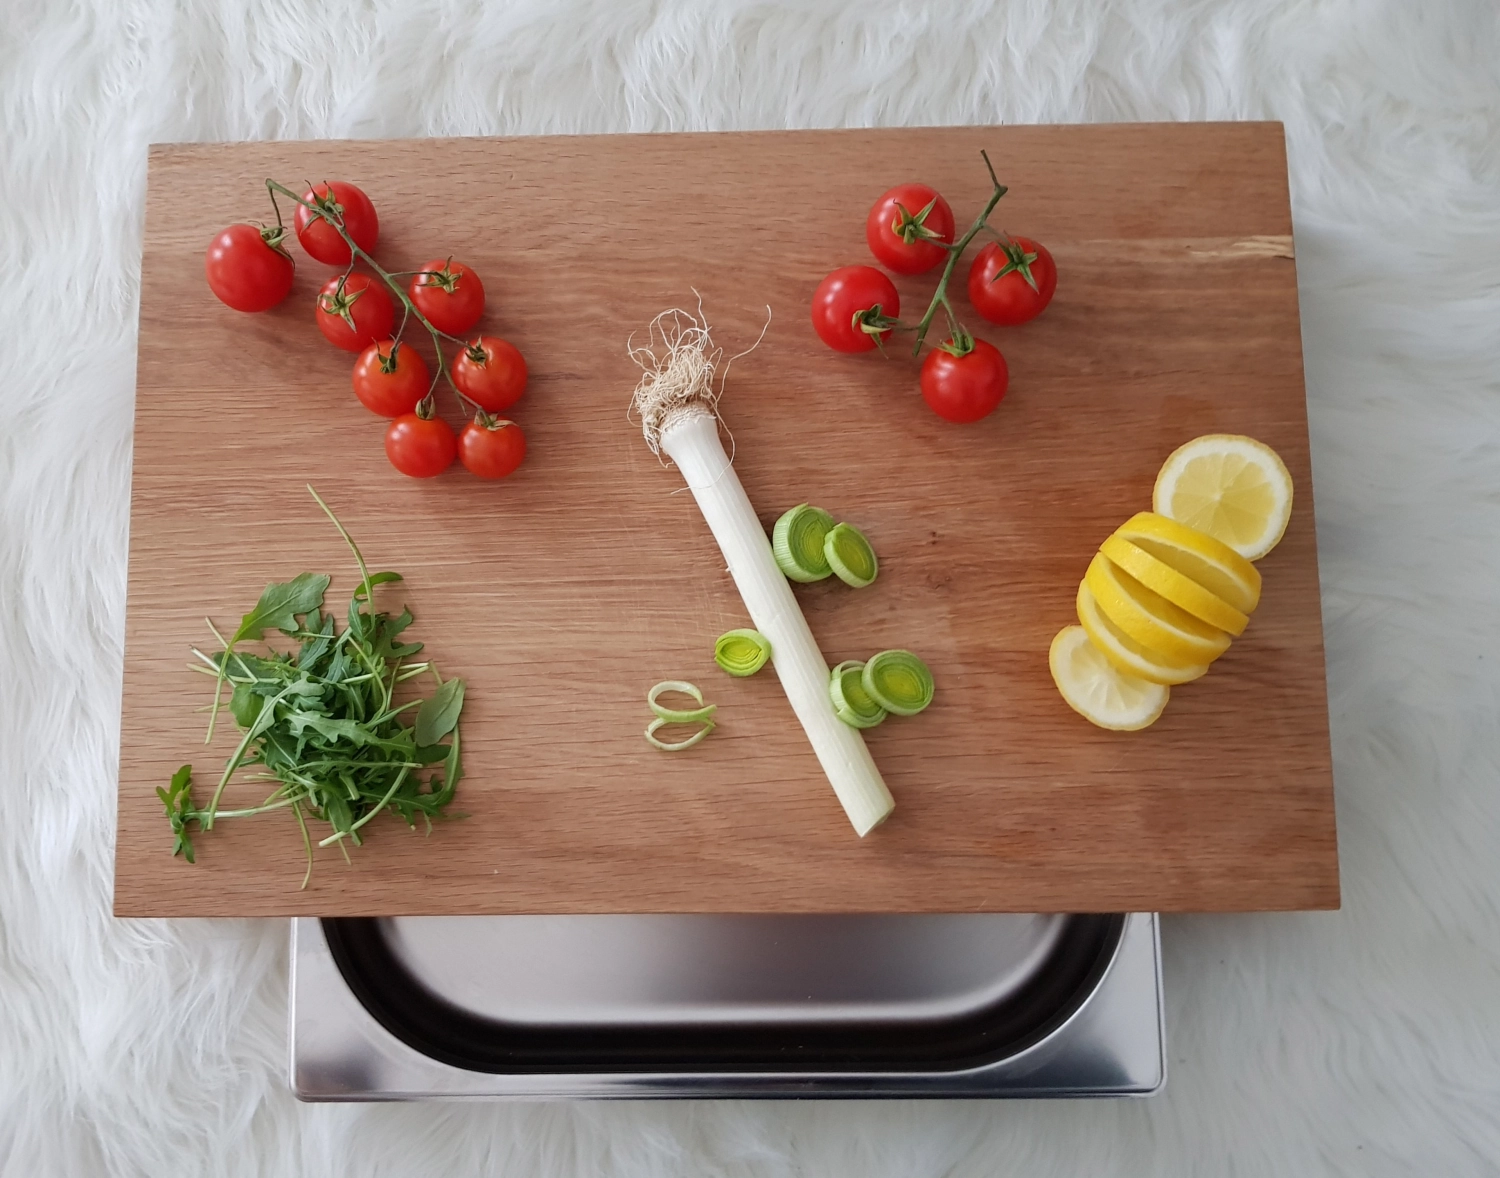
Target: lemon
<point>1128,655</point>
<point>1096,690</point>
<point>1149,618</point>
<point>1180,590</point>
<point>1232,487</point>
<point>1212,563</point>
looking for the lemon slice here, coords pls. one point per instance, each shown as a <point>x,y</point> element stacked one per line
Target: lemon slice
<point>1128,655</point>
<point>1096,690</point>
<point>1181,591</point>
<point>1161,627</point>
<point>1232,487</point>
<point>1212,563</point>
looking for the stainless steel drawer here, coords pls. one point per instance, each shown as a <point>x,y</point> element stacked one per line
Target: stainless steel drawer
<point>633,1006</point>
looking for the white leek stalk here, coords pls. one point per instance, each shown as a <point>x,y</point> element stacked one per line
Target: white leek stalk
<point>676,403</point>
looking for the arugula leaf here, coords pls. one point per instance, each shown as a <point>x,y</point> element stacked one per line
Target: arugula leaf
<point>245,705</point>
<point>281,604</point>
<point>375,579</point>
<point>453,768</point>
<point>438,715</point>
<point>333,729</point>
<point>312,651</point>
<point>178,799</point>
<point>383,640</point>
<point>278,606</point>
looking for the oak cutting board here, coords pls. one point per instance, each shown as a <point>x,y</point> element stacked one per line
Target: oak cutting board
<point>563,593</point>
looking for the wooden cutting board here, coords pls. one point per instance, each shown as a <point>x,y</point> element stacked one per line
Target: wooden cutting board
<point>563,593</point>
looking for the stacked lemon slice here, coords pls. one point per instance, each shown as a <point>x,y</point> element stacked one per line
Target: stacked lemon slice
<point>1167,593</point>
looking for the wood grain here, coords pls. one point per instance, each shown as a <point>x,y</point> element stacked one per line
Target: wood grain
<point>564,592</point>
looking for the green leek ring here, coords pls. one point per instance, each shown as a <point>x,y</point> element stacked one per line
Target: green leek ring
<point>742,652</point>
<point>851,702</point>
<point>898,681</point>
<point>850,556</point>
<point>675,746</point>
<point>678,715</point>
<point>797,542</point>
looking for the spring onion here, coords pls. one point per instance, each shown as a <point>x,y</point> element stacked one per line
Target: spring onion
<point>898,681</point>
<point>851,702</point>
<point>850,556</point>
<point>677,403</point>
<point>742,652</point>
<point>797,541</point>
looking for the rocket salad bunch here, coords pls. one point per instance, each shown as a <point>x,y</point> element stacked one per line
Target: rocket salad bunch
<point>910,230</point>
<point>325,723</point>
<point>250,269</point>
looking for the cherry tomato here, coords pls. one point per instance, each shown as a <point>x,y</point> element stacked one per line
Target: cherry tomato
<point>248,268</point>
<point>902,226</point>
<point>847,301</point>
<point>322,240</point>
<point>491,373</point>
<point>964,388</point>
<point>998,285</point>
<point>450,295</point>
<point>355,312</point>
<point>390,378</point>
<point>420,446</point>
<point>492,449</point>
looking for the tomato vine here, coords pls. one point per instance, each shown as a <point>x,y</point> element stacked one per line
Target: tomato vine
<point>960,342</point>
<point>331,213</point>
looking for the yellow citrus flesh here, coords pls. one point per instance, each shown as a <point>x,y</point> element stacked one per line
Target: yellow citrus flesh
<point>1234,488</point>
<point>1095,689</point>
<point>1166,630</point>
<point>1212,563</point>
<point>1128,655</point>
<point>1181,591</point>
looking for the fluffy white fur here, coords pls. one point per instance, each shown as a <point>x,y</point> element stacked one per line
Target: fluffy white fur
<point>1365,1042</point>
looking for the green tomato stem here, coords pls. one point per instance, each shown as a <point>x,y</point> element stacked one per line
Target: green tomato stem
<point>955,251</point>
<point>408,307</point>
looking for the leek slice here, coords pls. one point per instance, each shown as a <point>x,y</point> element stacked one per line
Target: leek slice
<point>797,542</point>
<point>851,702</point>
<point>675,746</point>
<point>850,556</point>
<point>742,652</point>
<point>678,715</point>
<point>898,681</point>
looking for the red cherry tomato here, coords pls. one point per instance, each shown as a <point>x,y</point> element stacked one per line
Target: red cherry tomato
<point>420,446</point>
<point>355,312</point>
<point>450,295</point>
<point>492,450</point>
<point>491,373</point>
<point>322,240</point>
<point>902,226</point>
<point>847,300</point>
<point>390,378</point>
<point>247,268</point>
<point>964,388</point>
<point>998,286</point>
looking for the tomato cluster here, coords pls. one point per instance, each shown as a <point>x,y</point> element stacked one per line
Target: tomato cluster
<point>250,269</point>
<point>910,230</point>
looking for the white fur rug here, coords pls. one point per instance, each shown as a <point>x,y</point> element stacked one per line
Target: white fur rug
<point>1365,1042</point>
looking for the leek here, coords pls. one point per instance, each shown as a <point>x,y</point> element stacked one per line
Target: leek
<point>676,401</point>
